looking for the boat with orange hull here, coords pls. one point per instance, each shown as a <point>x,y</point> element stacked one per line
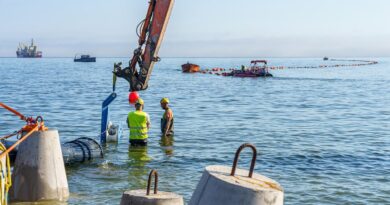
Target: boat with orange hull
<point>190,68</point>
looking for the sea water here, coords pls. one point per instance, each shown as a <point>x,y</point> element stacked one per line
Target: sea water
<point>323,134</point>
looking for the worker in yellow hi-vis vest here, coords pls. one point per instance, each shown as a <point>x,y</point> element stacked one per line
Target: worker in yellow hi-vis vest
<point>139,124</point>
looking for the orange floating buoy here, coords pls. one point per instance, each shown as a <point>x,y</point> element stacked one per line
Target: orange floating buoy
<point>133,97</point>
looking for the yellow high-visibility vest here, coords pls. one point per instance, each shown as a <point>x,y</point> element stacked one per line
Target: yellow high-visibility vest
<point>138,125</point>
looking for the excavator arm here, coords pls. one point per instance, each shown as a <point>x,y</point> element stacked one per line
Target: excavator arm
<point>151,32</point>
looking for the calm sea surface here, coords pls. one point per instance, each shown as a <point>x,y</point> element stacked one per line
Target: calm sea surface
<point>323,134</point>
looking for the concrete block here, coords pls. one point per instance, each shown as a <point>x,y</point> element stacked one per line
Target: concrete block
<point>39,171</point>
<point>139,197</point>
<point>143,197</point>
<point>218,187</point>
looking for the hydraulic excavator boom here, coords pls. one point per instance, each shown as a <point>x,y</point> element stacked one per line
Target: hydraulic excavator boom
<point>151,32</point>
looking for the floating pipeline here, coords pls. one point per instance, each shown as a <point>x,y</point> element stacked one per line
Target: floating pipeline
<point>359,63</point>
<point>81,150</point>
<point>76,151</point>
<point>227,71</point>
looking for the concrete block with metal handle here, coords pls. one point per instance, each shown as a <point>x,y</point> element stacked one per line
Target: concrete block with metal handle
<point>143,197</point>
<point>39,171</point>
<point>221,185</point>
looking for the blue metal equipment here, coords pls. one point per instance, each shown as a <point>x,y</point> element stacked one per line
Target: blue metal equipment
<point>105,115</point>
<point>104,121</point>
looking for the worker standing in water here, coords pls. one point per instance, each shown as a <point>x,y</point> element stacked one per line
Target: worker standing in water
<point>138,123</point>
<point>167,118</point>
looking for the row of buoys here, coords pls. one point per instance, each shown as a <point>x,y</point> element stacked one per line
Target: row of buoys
<point>219,185</point>
<point>217,70</point>
<point>363,63</point>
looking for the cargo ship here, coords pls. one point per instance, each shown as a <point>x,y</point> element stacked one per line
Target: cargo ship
<point>31,51</point>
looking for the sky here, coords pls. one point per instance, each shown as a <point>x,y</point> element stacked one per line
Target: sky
<point>201,28</point>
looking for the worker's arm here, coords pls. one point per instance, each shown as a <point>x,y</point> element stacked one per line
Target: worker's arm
<point>148,121</point>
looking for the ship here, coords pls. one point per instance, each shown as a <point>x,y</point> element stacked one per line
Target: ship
<point>258,68</point>
<point>31,51</point>
<point>84,58</point>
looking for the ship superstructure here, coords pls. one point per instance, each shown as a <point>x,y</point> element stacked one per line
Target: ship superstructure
<point>31,51</point>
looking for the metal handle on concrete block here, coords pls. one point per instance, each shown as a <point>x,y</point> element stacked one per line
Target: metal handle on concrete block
<point>238,155</point>
<point>41,124</point>
<point>153,172</point>
<point>39,119</point>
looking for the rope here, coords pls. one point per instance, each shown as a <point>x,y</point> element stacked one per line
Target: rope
<point>10,135</point>
<point>5,176</point>
<point>6,152</point>
<point>22,117</point>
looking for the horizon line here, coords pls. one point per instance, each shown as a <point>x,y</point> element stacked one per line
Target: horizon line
<point>220,57</point>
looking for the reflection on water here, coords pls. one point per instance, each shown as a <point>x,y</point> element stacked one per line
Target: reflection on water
<point>166,143</point>
<point>137,169</point>
<point>138,156</point>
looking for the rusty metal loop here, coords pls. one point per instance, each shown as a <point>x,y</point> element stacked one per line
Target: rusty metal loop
<point>238,155</point>
<point>39,119</point>
<point>153,172</point>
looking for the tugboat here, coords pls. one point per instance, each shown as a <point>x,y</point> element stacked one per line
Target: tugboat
<point>28,51</point>
<point>190,68</point>
<point>255,70</point>
<point>326,58</point>
<point>84,58</point>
